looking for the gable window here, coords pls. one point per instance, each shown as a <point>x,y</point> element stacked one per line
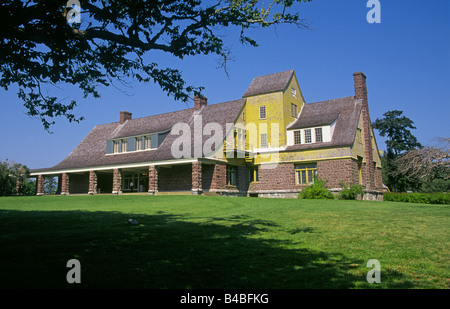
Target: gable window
<point>297,137</point>
<point>262,112</point>
<point>308,136</point>
<point>293,91</point>
<point>231,175</point>
<point>263,138</point>
<point>359,136</point>
<point>319,137</point>
<point>305,173</point>
<point>293,110</point>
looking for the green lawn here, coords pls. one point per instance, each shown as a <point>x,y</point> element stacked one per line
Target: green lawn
<point>220,242</point>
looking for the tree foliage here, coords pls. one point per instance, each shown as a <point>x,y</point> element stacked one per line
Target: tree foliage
<point>397,128</point>
<point>12,177</point>
<point>112,41</point>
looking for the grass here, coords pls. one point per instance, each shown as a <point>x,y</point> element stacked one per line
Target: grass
<point>217,242</point>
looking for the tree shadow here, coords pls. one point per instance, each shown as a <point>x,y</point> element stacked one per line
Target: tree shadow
<point>161,251</point>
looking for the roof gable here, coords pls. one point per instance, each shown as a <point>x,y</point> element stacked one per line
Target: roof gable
<point>269,83</point>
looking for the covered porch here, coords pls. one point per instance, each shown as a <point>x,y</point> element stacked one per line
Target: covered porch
<point>193,177</point>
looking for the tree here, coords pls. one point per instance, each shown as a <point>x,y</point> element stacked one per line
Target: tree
<point>12,177</point>
<point>396,128</point>
<point>429,164</point>
<point>55,42</point>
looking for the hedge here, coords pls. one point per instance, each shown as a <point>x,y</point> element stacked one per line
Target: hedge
<point>426,198</point>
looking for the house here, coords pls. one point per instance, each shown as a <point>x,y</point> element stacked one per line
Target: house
<point>269,143</point>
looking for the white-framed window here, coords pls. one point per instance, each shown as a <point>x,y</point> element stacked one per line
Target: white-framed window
<point>297,137</point>
<point>138,143</point>
<point>124,145</point>
<point>308,136</point>
<point>263,140</point>
<point>116,146</point>
<point>293,91</point>
<point>262,112</point>
<point>148,143</point>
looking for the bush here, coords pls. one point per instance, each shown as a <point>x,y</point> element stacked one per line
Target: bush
<point>426,198</point>
<point>350,192</point>
<point>317,190</point>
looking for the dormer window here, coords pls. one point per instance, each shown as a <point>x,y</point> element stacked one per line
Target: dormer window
<point>297,137</point>
<point>319,137</point>
<point>308,136</point>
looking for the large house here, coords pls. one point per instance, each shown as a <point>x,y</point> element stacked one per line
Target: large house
<point>269,143</point>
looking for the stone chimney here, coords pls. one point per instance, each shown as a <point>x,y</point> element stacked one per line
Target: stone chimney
<point>199,102</point>
<point>124,116</point>
<point>361,94</point>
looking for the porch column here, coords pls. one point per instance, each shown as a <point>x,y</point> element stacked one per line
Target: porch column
<point>117,182</point>
<point>152,180</point>
<point>65,183</point>
<point>197,178</point>
<point>219,179</point>
<point>40,185</point>
<point>92,182</point>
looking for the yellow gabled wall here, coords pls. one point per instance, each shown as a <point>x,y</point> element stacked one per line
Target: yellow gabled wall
<point>278,114</point>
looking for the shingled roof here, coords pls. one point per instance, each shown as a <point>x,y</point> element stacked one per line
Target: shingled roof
<point>345,111</point>
<point>91,151</point>
<point>269,83</point>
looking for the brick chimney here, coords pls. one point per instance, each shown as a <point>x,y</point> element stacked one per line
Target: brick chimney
<point>199,102</point>
<point>124,116</point>
<point>361,94</point>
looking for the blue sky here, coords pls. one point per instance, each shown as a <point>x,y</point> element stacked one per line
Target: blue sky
<point>406,59</point>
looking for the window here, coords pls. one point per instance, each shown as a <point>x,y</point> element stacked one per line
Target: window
<point>263,140</point>
<point>254,176</point>
<point>124,145</point>
<point>148,143</point>
<point>308,136</point>
<point>297,137</point>
<point>138,143</point>
<point>262,112</point>
<point>293,91</point>
<point>231,175</point>
<point>293,110</point>
<point>116,146</point>
<point>318,135</point>
<point>359,136</point>
<point>305,173</point>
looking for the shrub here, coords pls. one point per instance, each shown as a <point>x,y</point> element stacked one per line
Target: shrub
<point>317,190</point>
<point>350,192</point>
<point>426,198</point>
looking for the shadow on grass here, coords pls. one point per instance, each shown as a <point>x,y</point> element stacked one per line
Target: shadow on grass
<point>161,251</point>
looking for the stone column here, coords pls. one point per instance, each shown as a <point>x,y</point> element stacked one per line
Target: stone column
<point>117,182</point>
<point>40,185</point>
<point>92,182</point>
<point>197,178</point>
<point>65,184</point>
<point>219,179</point>
<point>152,180</point>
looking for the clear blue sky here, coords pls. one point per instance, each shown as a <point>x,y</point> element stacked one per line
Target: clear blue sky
<point>406,59</point>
